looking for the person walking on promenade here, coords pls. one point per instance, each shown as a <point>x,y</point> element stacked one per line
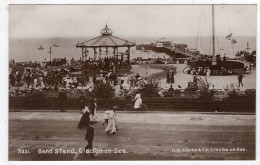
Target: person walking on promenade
<point>93,111</point>
<point>112,125</point>
<point>62,99</point>
<point>84,121</point>
<point>240,79</point>
<point>89,137</point>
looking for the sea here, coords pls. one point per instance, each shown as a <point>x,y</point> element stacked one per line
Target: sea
<point>26,49</point>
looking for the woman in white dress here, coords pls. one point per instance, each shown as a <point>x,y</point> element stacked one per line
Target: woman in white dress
<point>124,85</point>
<point>138,102</point>
<point>111,126</point>
<point>35,81</point>
<point>40,81</point>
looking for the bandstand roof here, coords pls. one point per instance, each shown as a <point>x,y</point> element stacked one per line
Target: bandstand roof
<point>106,39</point>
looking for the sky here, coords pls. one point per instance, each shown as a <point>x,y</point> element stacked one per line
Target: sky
<point>39,21</point>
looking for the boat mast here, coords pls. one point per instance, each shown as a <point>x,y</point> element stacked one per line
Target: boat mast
<point>213,33</point>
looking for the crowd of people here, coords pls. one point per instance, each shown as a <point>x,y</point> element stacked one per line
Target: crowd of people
<point>37,75</point>
<point>62,73</point>
<point>205,71</point>
<point>107,63</point>
<point>221,67</point>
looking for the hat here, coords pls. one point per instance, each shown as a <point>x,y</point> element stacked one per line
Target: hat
<point>138,96</point>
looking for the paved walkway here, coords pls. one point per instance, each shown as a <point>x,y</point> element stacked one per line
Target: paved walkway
<point>220,82</point>
<point>141,136</point>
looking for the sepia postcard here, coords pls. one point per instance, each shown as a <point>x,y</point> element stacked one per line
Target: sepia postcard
<point>132,82</point>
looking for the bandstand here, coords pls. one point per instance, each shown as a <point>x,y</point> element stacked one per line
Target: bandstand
<point>106,40</point>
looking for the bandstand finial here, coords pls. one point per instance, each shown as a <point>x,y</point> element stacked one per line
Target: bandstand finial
<point>106,30</point>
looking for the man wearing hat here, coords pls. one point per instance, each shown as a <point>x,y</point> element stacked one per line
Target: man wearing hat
<point>63,99</point>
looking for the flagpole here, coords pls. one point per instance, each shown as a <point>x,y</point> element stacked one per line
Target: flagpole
<point>213,33</point>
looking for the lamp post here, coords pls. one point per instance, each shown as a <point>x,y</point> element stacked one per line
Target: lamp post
<point>50,51</point>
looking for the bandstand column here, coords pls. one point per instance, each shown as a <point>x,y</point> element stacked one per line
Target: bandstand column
<point>128,54</point>
<point>86,54</point>
<point>100,53</point>
<point>82,50</point>
<point>95,53</point>
<point>114,52</point>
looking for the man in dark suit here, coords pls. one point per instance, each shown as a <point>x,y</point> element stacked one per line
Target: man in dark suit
<point>89,137</point>
<point>63,99</point>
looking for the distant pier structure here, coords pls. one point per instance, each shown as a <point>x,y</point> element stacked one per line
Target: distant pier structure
<point>174,50</point>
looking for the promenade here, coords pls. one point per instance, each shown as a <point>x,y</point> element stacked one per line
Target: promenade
<point>141,136</point>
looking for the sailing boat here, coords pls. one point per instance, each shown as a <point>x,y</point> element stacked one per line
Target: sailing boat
<point>41,48</point>
<point>215,66</point>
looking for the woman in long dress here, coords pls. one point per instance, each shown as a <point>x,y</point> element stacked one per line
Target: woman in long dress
<point>40,81</point>
<point>93,111</point>
<point>124,79</point>
<point>138,102</point>
<point>111,126</point>
<point>84,121</point>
